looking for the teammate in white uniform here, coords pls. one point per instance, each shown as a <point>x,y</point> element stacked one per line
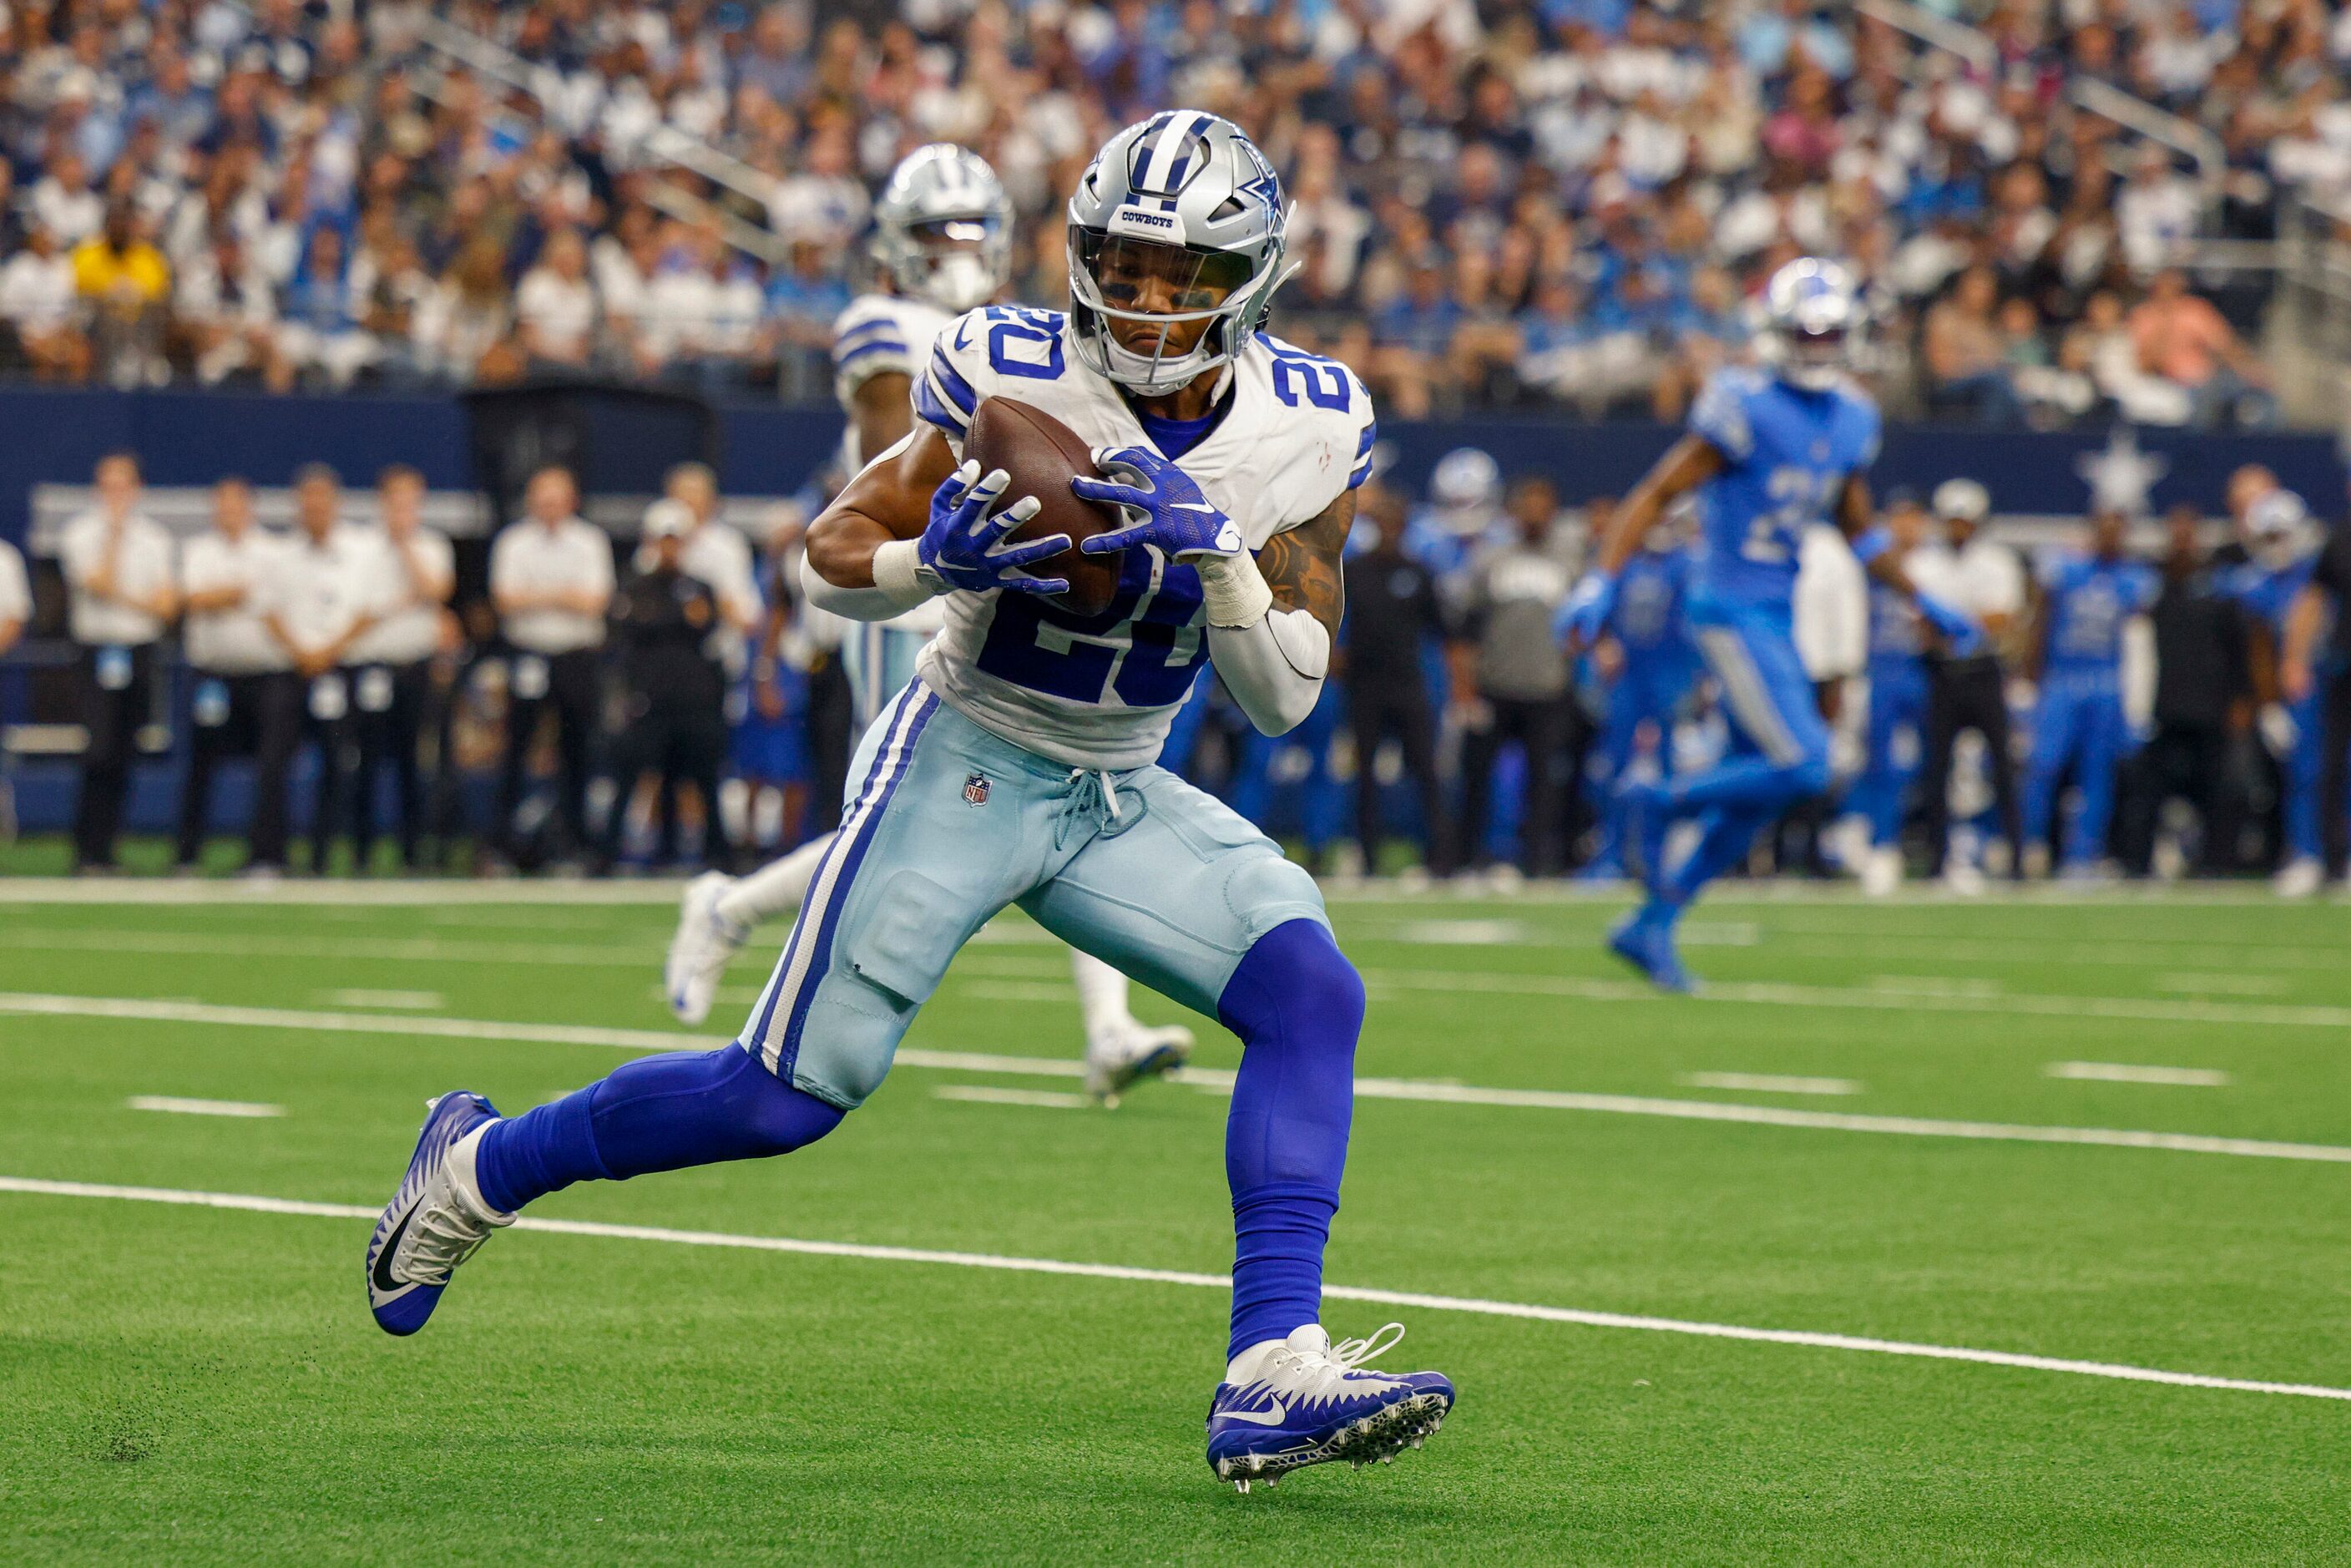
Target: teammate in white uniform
<point>1018,768</point>
<point>944,240</point>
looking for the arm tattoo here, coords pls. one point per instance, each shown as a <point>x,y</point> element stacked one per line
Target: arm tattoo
<point>1302,565</point>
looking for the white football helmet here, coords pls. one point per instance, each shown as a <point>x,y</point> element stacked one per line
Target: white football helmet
<point>943,228</point>
<point>1182,204</point>
<point>1811,321</point>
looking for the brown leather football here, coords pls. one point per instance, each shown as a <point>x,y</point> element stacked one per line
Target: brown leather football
<point>1042,455</point>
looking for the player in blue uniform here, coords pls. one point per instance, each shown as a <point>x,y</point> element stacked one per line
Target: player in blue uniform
<point>1895,739</point>
<point>1019,766</point>
<point>1768,452</point>
<point>2078,725</point>
<point>2284,547</point>
<point>1655,667</point>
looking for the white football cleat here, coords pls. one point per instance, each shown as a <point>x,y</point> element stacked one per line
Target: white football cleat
<point>1881,871</point>
<point>1118,1058</point>
<point>699,952</point>
<point>436,1220</point>
<point>1290,1403</point>
<point>2298,878</point>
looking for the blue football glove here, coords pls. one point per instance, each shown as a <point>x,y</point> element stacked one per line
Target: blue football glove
<point>1963,636</point>
<point>1175,516</point>
<point>964,548</point>
<point>1585,614</point>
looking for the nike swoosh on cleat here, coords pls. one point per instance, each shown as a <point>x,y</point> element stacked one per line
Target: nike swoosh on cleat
<point>1273,1418</point>
<point>383,1280</point>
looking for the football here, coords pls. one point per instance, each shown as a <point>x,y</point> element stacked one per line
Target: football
<point>1042,455</point>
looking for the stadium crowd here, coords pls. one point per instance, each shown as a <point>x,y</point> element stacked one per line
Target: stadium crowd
<point>1564,203</point>
<point>2190,711</point>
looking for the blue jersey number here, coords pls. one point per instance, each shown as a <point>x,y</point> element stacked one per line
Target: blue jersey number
<point>1024,343</point>
<point>1141,652</point>
<point>1323,383</point>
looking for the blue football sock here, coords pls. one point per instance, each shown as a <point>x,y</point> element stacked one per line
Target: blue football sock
<point>1756,781</point>
<point>656,1114</point>
<point>1298,1006</point>
<point>1725,835</point>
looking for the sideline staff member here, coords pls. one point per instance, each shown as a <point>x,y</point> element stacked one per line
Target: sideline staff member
<point>670,625</point>
<point>243,697</point>
<point>16,597</point>
<point>1985,582</point>
<point>391,682</point>
<point>118,575</point>
<point>328,590</point>
<point>552,582</point>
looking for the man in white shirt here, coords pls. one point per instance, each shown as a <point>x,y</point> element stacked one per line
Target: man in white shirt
<point>39,300</point>
<point>1985,581</point>
<point>391,685</point>
<point>554,307</point>
<point>16,598</point>
<point>243,697</point>
<point>120,596</point>
<point>551,583</point>
<point>712,551</point>
<point>330,586</point>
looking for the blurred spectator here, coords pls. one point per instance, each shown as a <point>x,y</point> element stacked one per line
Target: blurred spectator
<point>42,305</point>
<point>556,306</point>
<point>1966,366</point>
<point>328,584</point>
<point>243,698</point>
<point>226,312</point>
<point>673,683</point>
<point>120,595</point>
<point>551,582</point>
<point>2184,341</point>
<point>391,683</point>
<point>1393,618</point>
<point>125,281</point>
<point>2201,683</point>
<point>16,598</point>
<point>1968,690</point>
<point>324,332</point>
<point>1513,678</point>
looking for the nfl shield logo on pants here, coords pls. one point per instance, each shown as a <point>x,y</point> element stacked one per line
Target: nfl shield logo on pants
<point>974,789</point>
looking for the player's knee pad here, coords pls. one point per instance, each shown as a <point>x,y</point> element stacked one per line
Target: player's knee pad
<point>1298,1006</point>
<point>1294,988</point>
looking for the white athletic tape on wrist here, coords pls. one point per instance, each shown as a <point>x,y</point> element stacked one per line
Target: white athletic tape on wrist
<point>897,572</point>
<point>1232,590</point>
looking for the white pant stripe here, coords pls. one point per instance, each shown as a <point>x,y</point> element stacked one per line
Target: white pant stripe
<point>1749,699</point>
<point>801,952</point>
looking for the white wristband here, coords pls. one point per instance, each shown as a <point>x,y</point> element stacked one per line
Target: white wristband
<point>898,572</point>
<point>1232,590</point>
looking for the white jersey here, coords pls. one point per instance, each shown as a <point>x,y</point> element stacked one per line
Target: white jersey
<point>882,333</point>
<point>1101,691</point>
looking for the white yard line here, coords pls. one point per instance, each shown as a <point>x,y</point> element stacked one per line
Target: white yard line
<point>1770,1083</point>
<point>1365,1088</point>
<point>2224,984</point>
<point>981,1095</point>
<point>398,1001</point>
<point>1528,1311</point>
<point>2116,1072</point>
<point>1919,992</point>
<point>1771,994</point>
<point>177,1105</point>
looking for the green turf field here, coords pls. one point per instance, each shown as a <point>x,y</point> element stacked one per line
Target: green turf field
<point>181,1383</point>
